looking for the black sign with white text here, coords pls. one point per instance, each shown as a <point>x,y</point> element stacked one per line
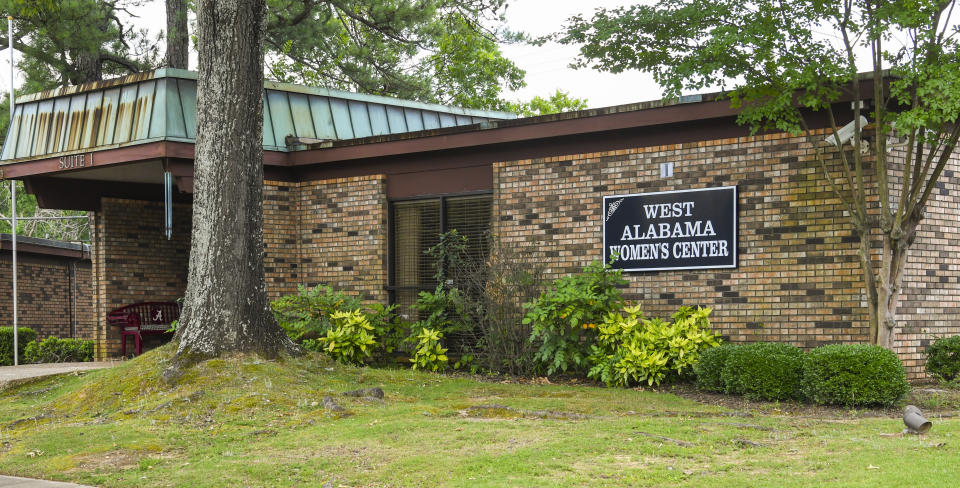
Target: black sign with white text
<point>683,229</point>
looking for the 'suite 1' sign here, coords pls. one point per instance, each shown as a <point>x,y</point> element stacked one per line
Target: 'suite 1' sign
<point>684,229</point>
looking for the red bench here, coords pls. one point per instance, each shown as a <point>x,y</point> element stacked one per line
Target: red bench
<point>140,319</point>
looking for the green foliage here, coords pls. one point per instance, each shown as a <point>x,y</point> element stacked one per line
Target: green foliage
<point>56,350</point>
<point>429,50</point>
<point>77,41</point>
<point>764,371</point>
<point>350,340</point>
<point>306,315</point>
<point>564,318</point>
<point>710,368</point>
<point>64,230</point>
<point>632,350</point>
<point>853,375</point>
<point>441,310</point>
<point>480,301</point>
<point>559,101</point>
<point>943,358</point>
<point>25,335</point>
<point>429,354</point>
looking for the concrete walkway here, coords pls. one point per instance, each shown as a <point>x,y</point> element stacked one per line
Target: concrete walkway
<point>12,481</point>
<point>12,375</point>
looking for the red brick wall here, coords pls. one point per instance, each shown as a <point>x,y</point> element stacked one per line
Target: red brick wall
<point>343,235</point>
<point>134,262</point>
<point>48,299</point>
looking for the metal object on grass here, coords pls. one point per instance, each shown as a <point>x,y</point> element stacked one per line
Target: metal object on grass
<point>915,421</point>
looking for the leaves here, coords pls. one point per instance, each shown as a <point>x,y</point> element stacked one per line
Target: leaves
<point>631,349</point>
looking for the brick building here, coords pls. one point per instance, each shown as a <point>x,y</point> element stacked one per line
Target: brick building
<point>54,293</point>
<point>356,187</point>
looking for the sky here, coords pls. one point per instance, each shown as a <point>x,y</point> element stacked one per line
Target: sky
<point>546,66</point>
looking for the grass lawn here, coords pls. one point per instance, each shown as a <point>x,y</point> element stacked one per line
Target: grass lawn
<point>246,422</point>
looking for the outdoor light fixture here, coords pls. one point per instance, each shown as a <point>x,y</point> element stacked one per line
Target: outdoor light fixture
<point>846,132</point>
<point>914,420</point>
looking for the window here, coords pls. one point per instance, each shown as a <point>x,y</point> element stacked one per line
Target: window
<point>416,226</point>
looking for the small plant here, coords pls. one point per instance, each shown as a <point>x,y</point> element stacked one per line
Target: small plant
<point>631,349</point>
<point>564,318</point>
<point>943,358</point>
<point>710,366</point>
<point>25,335</point>
<point>441,310</point>
<point>764,371</point>
<point>429,354</point>
<point>350,340</point>
<point>56,350</point>
<point>853,375</point>
<point>306,314</point>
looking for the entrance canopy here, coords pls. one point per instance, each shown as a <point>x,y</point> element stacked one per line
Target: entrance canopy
<point>131,129</point>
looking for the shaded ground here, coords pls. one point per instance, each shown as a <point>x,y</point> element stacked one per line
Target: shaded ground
<point>243,421</point>
<point>10,375</point>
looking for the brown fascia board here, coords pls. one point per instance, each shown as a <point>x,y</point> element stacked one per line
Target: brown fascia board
<point>609,119</point>
<point>45,247</point>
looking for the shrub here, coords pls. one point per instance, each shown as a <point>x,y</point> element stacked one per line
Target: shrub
<point>350,340</point>
<point>429,354</point>
<point>710,366</point>
<point>853,375</point>
<point>56,350</point>
<point>943,358</point>
<point>486,299</point>
<point>565,316</point>
<point>25,335</point>
<point>306,314</point>
<point>631,349</point>
<point>764,371</point>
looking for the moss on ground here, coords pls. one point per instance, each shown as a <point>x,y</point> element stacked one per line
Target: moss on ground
<point>244,421</point>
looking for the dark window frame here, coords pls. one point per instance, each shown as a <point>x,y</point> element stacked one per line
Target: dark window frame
<point>391,286</point>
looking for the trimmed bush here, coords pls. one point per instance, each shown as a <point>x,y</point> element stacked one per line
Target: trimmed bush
<point>25,336</point>
<point>853,375</point>
<point>710,367</point>
<point>943,358</point>
<point>764,371</point>
<point>56,350</point>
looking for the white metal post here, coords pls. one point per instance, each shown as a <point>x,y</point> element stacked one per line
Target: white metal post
<point>13,205</point>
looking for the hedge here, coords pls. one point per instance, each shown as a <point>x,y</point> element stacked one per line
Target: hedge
<point>710,368</point>
<point>56,350</point>
<point>943,358</point>
<point>25,335</point>
<point>764,371</point>
<point>853,375</point>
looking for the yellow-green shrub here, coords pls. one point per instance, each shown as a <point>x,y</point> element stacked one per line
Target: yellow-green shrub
<point>349,340</point>
<point>429,353</point>
<point>631,349</point>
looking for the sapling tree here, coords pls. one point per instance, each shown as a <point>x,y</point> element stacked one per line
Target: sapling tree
<point>781,62</point>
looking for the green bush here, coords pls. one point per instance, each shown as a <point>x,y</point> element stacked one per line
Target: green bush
<point>631,349</point>
<point>56,350</point>
<point>764,371</point>
<point>306,314</point>
<point>710,367</point>
<point>943,358</point>
<point>565,316</point>
<point>853,375</point>
<point>25,335</point>
<point>350,339</point>
<point>429,354</point>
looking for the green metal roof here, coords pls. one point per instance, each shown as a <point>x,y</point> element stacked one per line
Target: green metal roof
<point>162,105</point>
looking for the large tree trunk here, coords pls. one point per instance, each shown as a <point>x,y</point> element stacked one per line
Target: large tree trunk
<point>226,307</point>
<point>178,41</point>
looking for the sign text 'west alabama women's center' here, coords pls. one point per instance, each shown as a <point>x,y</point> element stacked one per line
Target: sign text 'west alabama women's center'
<point>683,229</point>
